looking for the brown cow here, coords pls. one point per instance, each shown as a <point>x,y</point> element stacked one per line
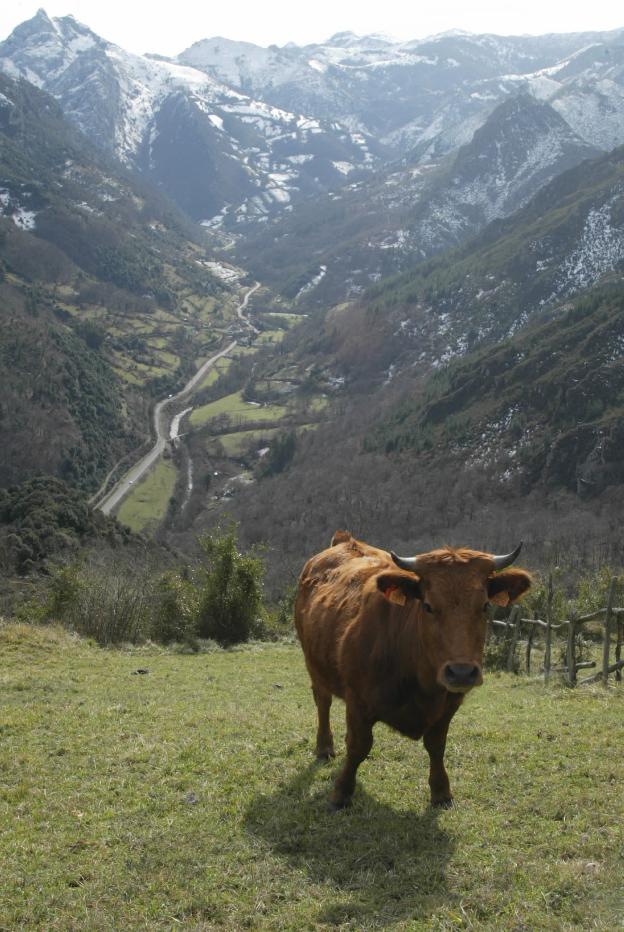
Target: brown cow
<point>400,640</point>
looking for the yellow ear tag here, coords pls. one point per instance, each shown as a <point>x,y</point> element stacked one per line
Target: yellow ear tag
<point>501,598</point>
<point>395,595</point>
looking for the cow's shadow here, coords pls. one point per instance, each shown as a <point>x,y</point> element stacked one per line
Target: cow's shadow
<point>382,865</point>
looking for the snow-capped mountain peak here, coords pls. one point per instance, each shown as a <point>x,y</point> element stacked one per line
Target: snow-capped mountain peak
<point>234,130</point>
<point>254,156</point>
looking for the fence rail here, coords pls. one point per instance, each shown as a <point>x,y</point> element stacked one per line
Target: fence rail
<point>610,616</point>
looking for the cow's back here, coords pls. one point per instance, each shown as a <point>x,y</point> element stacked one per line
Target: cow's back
<point>329,600</point>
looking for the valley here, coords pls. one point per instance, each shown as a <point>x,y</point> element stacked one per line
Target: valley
<point>278,284</point>
<point>229,429</point>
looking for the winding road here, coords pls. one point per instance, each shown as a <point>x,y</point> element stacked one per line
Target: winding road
<point>162,427</point>
<point>241,307</point>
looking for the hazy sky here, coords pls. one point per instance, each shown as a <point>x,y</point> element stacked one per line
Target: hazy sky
<point>168,28</point>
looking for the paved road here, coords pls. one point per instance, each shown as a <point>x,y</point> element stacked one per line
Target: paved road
<point>241,307</point>
<point>161,427</point>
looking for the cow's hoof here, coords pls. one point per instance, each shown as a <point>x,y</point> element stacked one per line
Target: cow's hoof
<point>325,755</point>
<point>443,803</point>
<point>335,806</point>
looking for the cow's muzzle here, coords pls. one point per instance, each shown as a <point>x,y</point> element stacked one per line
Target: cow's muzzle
<point>459,677</point>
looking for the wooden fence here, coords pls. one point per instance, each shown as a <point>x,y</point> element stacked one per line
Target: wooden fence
<point>611,617</point>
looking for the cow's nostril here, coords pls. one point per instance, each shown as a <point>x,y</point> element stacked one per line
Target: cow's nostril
<point>461,674</point>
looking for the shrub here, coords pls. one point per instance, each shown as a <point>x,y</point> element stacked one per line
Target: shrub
<point>113,603</point>
<point>110,605</point>
<point>496,650</point>
<point>176,610</point>
<point>230,592</point>
<point>593,589</point>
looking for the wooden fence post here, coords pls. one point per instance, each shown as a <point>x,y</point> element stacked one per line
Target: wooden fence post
<point>606,644</point>
<point>548,636</point>
<point>490,612</point>
<point>571,652</point>
<point>530,645</point>
<point>514,619</point>
<point>618,648</point>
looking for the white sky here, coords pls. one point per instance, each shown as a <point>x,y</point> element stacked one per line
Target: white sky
<point>169,27</point>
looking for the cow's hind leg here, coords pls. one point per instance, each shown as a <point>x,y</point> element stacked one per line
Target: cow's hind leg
<point>359,743</point>
<point>324,736</point>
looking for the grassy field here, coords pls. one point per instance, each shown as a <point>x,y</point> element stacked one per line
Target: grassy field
<point>241,441</point>
<point>221,366</point>
<point>237,410</point>
<point>271,336</point>
<point>146,504</point>
<point>187,798</point>
<point>237,443</point>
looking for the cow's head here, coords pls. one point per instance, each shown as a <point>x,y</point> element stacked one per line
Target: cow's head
<point>451,591</point>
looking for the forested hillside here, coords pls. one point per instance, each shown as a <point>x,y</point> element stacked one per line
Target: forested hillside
<point>543,409</point>
<point>61,411</point>
<point>520,441</point>
<point>46,518</point>
<point>483,384</point>
<point>106,293</point>
<point>569,237</point>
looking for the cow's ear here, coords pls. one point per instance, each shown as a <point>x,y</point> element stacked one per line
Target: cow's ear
<point>399,587</point>
<point>508,586</point>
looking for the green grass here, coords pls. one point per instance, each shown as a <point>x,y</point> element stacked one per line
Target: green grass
<point>127,376</point>
<point>221,366</point>
<point>318,403</point>
<point>239,442</point>
<point>157,342</point>
<point>146,505</point>
<point>271,336</point>
<point>188,798</point>
<point>235,444</point>
<point>282,317</point>
<point>170,359</point>
<point>237,410</point>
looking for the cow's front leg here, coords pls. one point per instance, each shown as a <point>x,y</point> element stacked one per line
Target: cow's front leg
<point>359,743</point>
<point>434,740</point>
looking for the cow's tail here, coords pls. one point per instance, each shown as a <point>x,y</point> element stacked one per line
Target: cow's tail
<point>341,537</point>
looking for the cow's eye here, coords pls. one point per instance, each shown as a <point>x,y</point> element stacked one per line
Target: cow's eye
<point>427,607</point>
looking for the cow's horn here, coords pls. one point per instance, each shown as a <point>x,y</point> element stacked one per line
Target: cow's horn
<point>506,559</point>
<point>406,563</point>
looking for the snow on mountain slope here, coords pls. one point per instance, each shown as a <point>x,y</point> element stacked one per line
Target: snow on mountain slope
<point>384,225</point>
<point>429,95</point>
<point>568,238</point>
<point>239,134</point>
<point>148,110</point>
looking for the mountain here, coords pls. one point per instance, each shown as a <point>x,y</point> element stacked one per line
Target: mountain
<point>569,237</point>
<point>345,170</point>
<point>430,95</point>
<point>237,134</point>
<point>543,408</point>
<point>492,372</point>
<point>383,225</point>
<point>107,297</point>
<point>213,149</point>
<point>523,440</point>
<point>44,518</point>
